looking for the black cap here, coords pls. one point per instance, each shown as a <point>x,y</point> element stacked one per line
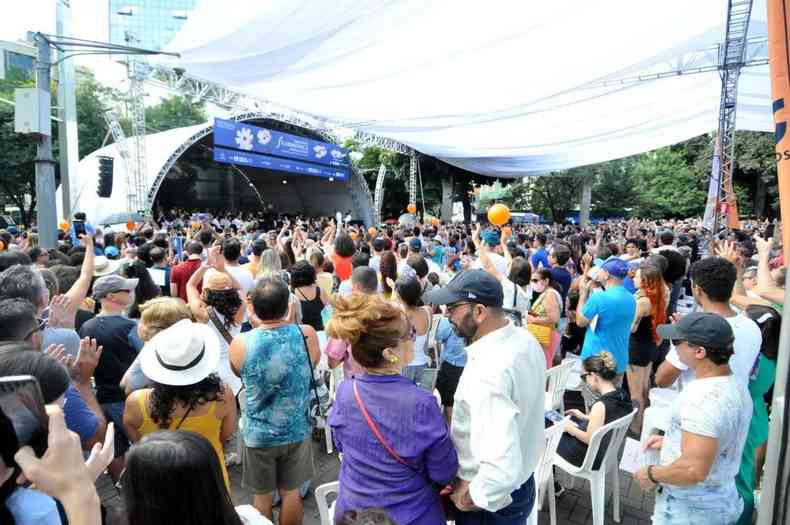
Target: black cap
<point>477,286</point>
<point>699,328</point>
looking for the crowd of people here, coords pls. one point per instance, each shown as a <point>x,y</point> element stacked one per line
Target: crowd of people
<point>172,349</point>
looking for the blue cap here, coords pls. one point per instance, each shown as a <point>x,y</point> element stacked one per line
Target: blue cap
<point>415,244</point>
<point>111,252</point>
<point>491,238</point>
<point>616,267</point>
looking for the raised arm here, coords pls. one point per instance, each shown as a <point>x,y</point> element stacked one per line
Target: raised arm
<point>79,290</point>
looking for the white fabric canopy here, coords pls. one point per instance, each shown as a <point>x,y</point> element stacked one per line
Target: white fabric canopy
<point>499,88</point>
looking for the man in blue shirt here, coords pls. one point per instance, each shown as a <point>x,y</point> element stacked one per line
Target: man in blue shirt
<point>453,362</point>
<point>541,257</point>
<point>608,314</point>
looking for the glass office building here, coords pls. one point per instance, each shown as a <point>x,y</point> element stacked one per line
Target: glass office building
<point>153,23</point>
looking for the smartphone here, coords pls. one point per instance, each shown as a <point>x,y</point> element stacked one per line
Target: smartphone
<point>553,416</point>
<point>22,404</point>
<point>79,228</point>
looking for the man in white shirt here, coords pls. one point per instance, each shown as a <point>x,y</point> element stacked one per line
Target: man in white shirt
<point>713,279</point>
<point>231,250</point>
<point>498,418</point>
<point>701,451</point>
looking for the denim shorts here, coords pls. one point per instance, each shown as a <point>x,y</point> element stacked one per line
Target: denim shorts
<point>671,510</point>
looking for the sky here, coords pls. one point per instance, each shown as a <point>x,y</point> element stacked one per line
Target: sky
<point>90,19</point>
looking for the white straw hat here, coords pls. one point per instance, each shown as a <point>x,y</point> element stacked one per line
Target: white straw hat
<point>183,354</point>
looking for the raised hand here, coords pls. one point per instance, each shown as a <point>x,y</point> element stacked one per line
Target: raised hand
<point>87,360</point>
<point>59,311</point>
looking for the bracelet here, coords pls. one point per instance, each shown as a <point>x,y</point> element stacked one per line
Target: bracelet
<point>650,475</point>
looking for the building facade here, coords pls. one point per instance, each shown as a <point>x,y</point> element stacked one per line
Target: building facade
<point>153,23</point>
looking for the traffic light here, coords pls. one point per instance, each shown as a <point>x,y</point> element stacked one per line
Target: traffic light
<point>105,177</point>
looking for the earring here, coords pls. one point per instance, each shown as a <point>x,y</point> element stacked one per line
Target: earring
<point>393,359</point>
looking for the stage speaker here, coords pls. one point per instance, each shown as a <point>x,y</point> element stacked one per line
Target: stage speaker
<point>105,177</point>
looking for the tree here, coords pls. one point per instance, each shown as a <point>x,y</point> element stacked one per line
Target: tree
<point>666,185</point>
<point>174,111</point>
<point>93,100</point>
<point>17,169</point>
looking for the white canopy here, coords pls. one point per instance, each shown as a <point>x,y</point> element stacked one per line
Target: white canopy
<point>503,88</point>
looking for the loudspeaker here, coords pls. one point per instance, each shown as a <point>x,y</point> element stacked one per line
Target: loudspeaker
<point>105,177</point>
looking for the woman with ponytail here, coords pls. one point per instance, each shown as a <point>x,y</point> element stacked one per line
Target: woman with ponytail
<point>392,434</point>
<point>651,311</point>
<point>613,403</point>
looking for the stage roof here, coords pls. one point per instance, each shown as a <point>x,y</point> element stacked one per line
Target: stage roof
<point>506,89</point>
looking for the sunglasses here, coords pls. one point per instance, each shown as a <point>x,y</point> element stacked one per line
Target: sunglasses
<point>676,342</point>
<point>584,376</point>
<point>40,325</point>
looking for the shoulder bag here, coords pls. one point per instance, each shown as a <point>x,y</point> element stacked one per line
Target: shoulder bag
<point>444,496</point>
<point>316,411</point>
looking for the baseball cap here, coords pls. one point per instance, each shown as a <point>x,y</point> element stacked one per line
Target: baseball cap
<point>615,267</point>
<point>699,328</point>
<point>112,283</point>
<point>476,286</point>
<point>111,252</point>
<point>415,244</point>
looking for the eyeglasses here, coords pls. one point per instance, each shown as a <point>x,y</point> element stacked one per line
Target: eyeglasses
<point>452,307</point>
<point>40,325</point>
<point>584,376</point>
<point>676,342</point>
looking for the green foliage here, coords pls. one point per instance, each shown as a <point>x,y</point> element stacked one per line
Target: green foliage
<point>666,185</point>
<point>172,112</point>
<point>93,100</point>
<point>17,170</point>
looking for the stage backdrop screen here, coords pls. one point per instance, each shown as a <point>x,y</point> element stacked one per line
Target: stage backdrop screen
<point>245,144</point>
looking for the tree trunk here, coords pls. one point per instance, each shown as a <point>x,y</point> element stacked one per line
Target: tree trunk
<point>760,197</point>
<point>584,207</point>
<point>446,213</point>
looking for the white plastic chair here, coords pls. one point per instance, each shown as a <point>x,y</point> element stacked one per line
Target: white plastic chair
<point>326,512</point>
<point>335,378</point>
<point>544,473</point>
<point>556,382</point>
<point>597,478</point>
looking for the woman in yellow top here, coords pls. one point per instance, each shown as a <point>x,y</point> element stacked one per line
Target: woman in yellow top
<point>187,394</point>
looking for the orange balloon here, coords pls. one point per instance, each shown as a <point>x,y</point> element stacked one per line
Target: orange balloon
<point>63,226</point>
<point>372,231</point>
<point>411,208</point>
<point>435,221</point>
<point>130,225</point>
<point>498,214</point>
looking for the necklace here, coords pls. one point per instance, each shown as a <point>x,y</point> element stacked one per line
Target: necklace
<point>383,372</point>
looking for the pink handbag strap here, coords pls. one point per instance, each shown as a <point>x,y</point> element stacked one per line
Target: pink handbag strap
<point>375,428</point>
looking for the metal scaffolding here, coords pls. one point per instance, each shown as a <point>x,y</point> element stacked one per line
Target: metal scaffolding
<point>732,53</point>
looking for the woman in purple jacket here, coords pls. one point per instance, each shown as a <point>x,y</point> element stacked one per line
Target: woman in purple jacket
<point>394,440</point>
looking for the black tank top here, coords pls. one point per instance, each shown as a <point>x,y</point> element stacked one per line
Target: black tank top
<point>311,310</point>
<point>643,337</point>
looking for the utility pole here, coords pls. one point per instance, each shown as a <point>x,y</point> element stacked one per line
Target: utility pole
<point>67,127</point>
<point>46,216</point>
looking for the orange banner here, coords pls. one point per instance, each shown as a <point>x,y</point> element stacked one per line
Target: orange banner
<point>779,60</point>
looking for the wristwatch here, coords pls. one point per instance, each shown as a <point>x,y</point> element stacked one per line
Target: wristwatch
<point>650,475</point>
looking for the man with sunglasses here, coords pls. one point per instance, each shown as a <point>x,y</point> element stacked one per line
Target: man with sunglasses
<point>701,451</point>
<point>497,425</point>
<point>111,329</point>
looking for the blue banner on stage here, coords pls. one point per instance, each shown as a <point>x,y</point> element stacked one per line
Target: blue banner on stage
<point>244,158</point>
<point>254,139</point>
